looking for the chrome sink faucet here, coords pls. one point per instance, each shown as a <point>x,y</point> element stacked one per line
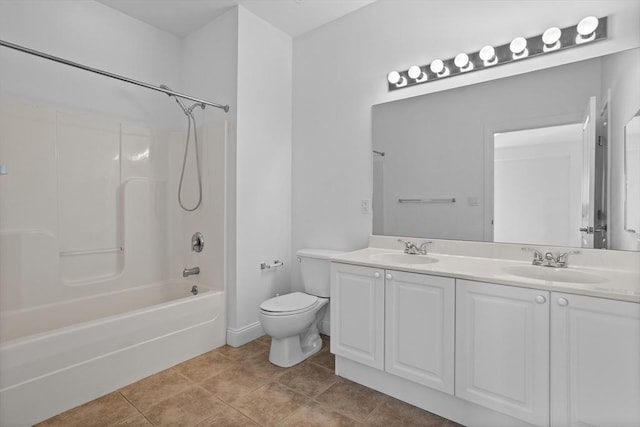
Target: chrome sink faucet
<point>550,259</point>
<point>412,249</point>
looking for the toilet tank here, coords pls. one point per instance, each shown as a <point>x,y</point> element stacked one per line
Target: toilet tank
<point>314,266</point>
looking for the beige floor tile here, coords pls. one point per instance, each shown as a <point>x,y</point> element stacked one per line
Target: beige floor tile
<point>308,379</point>
<point>270,404</point>
<point>351,399</point>
<point>312,414</point>
<point>207,365</point>
<point>151,390</point>
<point>229,417</point>
<point>233,384</point>
<point>265,339</point>
<point>256,392</point>
<point>325,359</point>
<point>395,412</point>
<point>260,366</point>
<point>246,351</point>
<point>137,420</point>
<point>187,408</point>
<point>104,411</point>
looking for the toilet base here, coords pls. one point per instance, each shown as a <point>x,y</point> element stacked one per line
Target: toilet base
<point>286,352</point>
<point>289,351</point>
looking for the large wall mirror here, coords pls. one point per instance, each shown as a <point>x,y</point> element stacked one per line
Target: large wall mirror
<point>537,158</point>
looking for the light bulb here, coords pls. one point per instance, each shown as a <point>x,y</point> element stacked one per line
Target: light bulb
<point>518,47</point>
<point>462,61</point>
<point>416,74</point>
<point>393,77</point>
<point>438,67</point>
<point>551,39</point>
<point>488,55</point>
<point>586,29</point>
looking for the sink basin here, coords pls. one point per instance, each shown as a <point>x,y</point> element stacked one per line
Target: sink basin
<point>406,259</point>
<point>554,274</point>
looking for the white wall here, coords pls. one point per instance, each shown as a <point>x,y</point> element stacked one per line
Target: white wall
<point>340,72</point>
<point>103,149</point>
<point>248,66</point>
<point>210,68</point>
<point>263,171</point>
<point>89,33</point>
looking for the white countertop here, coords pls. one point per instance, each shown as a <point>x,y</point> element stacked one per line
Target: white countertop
<point>618,284</point>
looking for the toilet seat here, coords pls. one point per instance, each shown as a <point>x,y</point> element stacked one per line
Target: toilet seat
<point>289,304</point>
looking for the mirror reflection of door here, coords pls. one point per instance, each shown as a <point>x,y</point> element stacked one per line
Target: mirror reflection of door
<point>537,182</point>
<point>545,185</point>
<point>587,223</point>
<point>632,175</point>
<point>603,176</point>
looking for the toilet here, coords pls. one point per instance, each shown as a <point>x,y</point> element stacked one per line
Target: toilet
<point>293,320</point>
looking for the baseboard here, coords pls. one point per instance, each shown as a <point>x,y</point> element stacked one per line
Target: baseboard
<point>241,336</point>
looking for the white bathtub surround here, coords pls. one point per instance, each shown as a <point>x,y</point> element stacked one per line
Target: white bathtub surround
<point>85,304</point>
<point>474,332</point>
<point>99,347</point>
<point>140,236</point>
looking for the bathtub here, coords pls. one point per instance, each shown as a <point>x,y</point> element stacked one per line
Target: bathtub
<point>55,357</point>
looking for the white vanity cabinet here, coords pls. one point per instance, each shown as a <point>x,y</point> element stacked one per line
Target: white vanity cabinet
<point>488,354</point>
<point>419,328</point>
<point>502,349</point>
<point>595,362</point>
<point>399,322</point>
<point>357,313</point>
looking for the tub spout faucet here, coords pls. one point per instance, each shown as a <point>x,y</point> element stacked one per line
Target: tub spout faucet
<point>190,271</point>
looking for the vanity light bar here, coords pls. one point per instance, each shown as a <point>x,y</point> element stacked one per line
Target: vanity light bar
<point>588,30</point>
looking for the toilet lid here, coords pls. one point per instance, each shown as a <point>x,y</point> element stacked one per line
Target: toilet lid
<point>295,301</point>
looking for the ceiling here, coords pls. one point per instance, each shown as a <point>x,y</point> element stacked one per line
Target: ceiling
<point>182,17</point>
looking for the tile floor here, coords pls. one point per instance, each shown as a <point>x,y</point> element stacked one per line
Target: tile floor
<point>239,387</point>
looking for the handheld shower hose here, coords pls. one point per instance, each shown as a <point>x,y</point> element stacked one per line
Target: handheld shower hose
<point>189,113</point>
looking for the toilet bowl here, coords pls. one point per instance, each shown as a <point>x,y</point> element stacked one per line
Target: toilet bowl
<point>293,320</point>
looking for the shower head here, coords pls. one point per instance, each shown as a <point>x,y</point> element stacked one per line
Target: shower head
<point>179,101</point>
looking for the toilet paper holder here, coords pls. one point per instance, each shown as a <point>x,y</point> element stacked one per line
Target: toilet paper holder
<point>276,263</point>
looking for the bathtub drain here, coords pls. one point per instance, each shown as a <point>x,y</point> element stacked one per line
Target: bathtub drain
<point>194,290</point>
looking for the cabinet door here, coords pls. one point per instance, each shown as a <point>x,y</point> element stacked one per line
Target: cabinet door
<point>357,313</point>
<point>419,323</point>
<point>502,349</point>
<point>595,362</point>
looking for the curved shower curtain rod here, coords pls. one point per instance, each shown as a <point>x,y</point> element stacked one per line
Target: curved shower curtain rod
<point>107,74</point>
